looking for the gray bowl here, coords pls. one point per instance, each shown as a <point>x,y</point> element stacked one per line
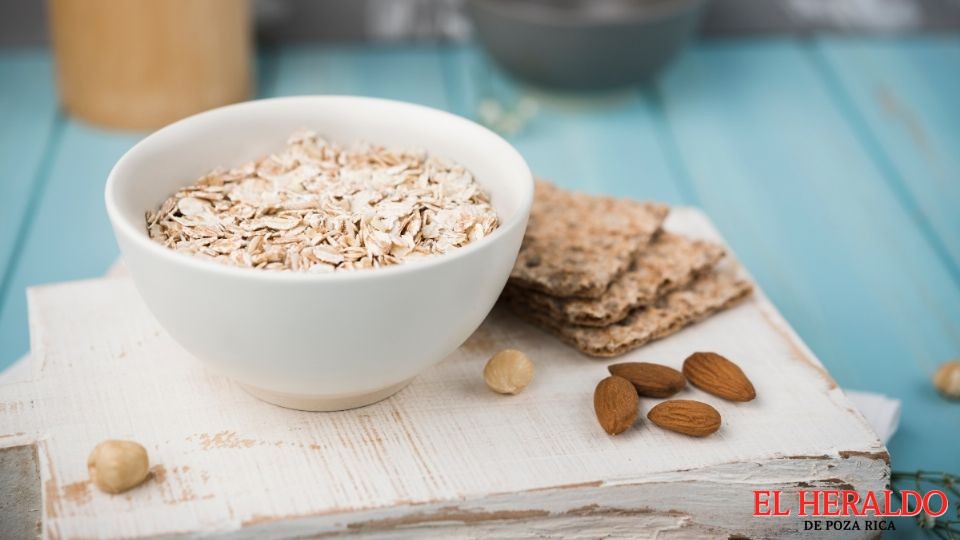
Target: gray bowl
<point>584,44</point>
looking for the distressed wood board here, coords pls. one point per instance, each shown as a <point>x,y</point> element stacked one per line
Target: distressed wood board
<point>444,456</point>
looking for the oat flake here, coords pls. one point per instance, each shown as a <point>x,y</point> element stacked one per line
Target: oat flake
<point>320,207</point>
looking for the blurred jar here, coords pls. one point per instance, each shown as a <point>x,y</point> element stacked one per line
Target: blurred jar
<point>142,64</point>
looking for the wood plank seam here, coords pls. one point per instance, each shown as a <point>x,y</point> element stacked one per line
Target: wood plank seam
<point>892,177</point>
<point>907,99</point>
<point>28,108</point>
<point>668,144</point>
<point>41,178</point>
<point>797,197</point>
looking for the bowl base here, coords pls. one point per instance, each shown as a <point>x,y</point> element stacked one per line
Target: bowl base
<point>303,402</point>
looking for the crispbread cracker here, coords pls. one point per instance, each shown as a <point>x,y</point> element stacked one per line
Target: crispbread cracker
<point>669,263</point>
<point>577,244</point>
<point>707,295</point>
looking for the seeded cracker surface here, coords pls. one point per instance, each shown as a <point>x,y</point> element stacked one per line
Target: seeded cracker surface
<point>669,263</point>
<point>577,244</point>
<point>707,295</point>
<point>320,207</point>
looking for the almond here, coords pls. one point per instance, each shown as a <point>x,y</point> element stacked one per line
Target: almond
<point>686,416</point>
<point>716,375</point>
<point>616,403</point>
<point>650,380</point>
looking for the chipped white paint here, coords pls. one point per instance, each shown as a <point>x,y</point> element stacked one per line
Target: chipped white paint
<point>444,455</point>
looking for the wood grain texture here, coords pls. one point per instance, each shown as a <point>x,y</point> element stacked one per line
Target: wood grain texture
<point>31,125</point>
<point>750,129</point>
<point>442,455</point>
<point>807,207</point>
<point>20,515</point>
<point>902,96</point>
<point>69,236</point>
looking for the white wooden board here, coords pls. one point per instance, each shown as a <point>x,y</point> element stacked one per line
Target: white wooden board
<point>445,455</point>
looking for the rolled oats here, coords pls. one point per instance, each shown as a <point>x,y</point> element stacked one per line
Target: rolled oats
<point>320,207</point>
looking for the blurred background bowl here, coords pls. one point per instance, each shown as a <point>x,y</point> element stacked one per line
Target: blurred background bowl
<point>585,44</point>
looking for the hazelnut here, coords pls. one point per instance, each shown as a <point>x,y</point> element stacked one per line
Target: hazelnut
<point>508,372</point>
<point>116,466</point>
<point>947,379</point>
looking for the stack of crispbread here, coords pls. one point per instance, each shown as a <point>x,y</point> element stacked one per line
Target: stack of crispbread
<point>600,273</point>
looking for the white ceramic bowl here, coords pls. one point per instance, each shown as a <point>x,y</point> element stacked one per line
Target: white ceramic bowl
<point>308,341</point>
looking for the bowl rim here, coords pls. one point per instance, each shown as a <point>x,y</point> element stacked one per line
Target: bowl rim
<point>122,226</point>
<point>545,16</point>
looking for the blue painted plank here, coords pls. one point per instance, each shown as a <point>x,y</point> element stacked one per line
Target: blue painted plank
<point>773,160</point>
<point>68,235</point>
<point>405,73</point>
<point>608,143</point>
<point>29,118</point>
<point>906,94</point>
<point>754,130</point>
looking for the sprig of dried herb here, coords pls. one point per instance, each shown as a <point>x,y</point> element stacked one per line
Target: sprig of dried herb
<point>946,527</point>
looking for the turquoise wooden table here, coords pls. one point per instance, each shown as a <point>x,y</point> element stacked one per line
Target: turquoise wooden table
<point>831,165</point>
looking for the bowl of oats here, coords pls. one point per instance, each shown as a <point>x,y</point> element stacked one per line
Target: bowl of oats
<point>320,250</point>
